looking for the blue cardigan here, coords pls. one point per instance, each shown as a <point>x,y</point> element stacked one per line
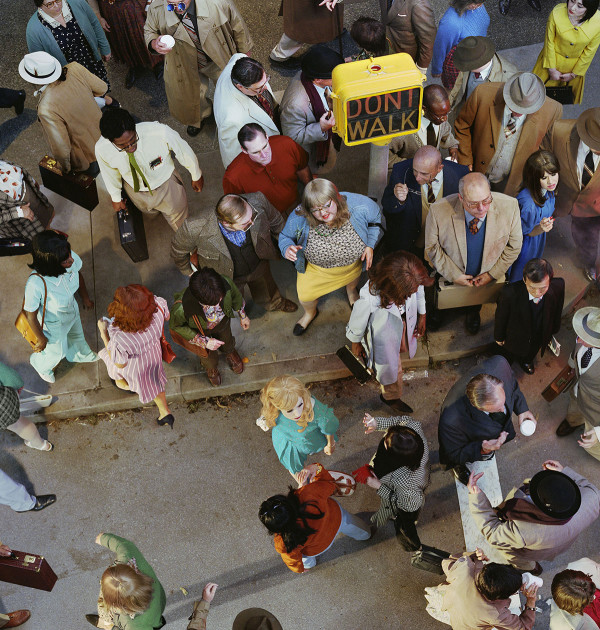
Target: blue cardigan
<point>363,211</point>
<point>40,38</point>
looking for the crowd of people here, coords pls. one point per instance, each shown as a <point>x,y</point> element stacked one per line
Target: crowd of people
<point>462,222</point>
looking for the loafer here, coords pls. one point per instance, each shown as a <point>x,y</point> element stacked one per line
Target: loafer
<point>193,131</point>
<point>504,6</point>
<point>397,404</point>
<point>284,305</point>
<point>528,368</point>
<point>291,63</point>
<point>235,362</point>
<point>535,4</point>
<point>93,619</point>
<point>462,473</point>
<point>17,618</point>
<point>538,570</point>
<point>214,376</point>
<point>130,78</point>
<point>590,274</point>
<point>473,322</point>
<point>564,428</point>
<point>42,501</point>
<point>19,107</point>
<point>300,330</point>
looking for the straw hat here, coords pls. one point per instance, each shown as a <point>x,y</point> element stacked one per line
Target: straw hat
<point>40,68</point>
<point>524,93</point>
<point>256,619</point>
<point>473,52</point>
<point>586,323</point>
<point>588,127</point>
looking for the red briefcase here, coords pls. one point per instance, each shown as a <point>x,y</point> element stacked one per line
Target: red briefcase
<point>27,569</point>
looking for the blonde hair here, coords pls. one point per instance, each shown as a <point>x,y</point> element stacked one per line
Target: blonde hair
<point>126,591</point>
<point>230,208</point>
<point>281,394</point>
<point>318,192</point>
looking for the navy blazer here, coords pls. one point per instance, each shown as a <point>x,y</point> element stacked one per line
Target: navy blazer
<point>404,219</point>
<point>463,428</point>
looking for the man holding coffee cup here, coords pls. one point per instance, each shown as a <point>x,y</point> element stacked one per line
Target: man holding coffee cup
<point>206,34</point>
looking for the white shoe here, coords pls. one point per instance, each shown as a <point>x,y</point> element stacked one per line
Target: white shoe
<point>49,378</point>
<point>46,446</point>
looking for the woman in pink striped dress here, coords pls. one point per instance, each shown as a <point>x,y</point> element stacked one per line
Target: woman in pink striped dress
<point>132,350</point>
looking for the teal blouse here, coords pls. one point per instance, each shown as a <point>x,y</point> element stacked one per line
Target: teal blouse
<point>9,377</point>
<point>293,447</point>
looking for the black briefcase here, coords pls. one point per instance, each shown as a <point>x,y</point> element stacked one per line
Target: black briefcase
<point>76,187</point>
<point>429,559</point>
<point>132,232</point>
<point>561,93</point>
<point>27,569</point>
<point>358,369</point>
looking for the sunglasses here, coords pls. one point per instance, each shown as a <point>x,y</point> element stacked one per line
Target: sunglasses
<point>171,6</point>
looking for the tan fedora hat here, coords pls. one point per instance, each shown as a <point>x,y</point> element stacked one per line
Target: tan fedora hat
<point>473,52</point>
<point>588,127</point>
<point>39,68</point>
<point>256,619</point>
<point>524,93</point>
<point>586,323</point>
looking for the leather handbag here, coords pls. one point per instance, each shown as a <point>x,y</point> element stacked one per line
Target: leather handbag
<point>561,383</point>
<point>27,569</point>
<point>357,368</point>
<point>429,559</point>
<point>167,352</point>
<point>561,93</point>
<point>22,323</point>
<point>188,345</point>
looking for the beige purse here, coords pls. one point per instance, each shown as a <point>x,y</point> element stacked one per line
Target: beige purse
<point>22,323</point>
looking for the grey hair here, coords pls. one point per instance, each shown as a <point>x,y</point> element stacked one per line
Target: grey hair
<point>481,390</point>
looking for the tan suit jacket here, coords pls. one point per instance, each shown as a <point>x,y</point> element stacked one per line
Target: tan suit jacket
<point>468,608</point>
<point>479,125</point>
<point>570,198</point>
<point>446,237</point>
<point>521,542</point>
<point>588,389</point>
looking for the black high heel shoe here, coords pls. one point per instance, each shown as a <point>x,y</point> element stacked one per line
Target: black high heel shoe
<point>166,420</point>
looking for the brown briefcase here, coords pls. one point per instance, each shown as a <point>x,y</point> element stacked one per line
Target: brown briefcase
<point>449,295</point>
<point>27,569</point>
<point>76,187</point>
<point>561,383</point>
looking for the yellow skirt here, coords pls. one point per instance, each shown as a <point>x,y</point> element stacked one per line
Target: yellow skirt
<point>318,281</point>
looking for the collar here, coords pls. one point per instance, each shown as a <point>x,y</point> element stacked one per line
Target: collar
<point>507,114</point>
<point>425,123</point>
<point>485,71</point>
<point>191,10</point>
<point>469,217</point>
<point>582,152</point>
<point>487,413</point>
<point>66,13</point>
<point>533,299</point>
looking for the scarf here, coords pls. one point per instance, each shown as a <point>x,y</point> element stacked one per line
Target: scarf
<point>318,109</point>
<point>523,510</point>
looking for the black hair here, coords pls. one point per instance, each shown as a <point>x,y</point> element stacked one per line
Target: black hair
<point>369,34</point>
<point>280,515</point>
<point>38,3</point>
<point>406,445</point>
<point>460,6</point>
<point>591,6</point>
<point>537,269</point>
<point>115,122</point>
<point>207,286</point>
<point>49,250</point>
<point>248,132</point>
<point>498,581</point>
<point>246,71</point>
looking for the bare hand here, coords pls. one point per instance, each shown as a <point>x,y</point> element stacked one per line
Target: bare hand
<point>464,280</point>
<point>482,279</point>
<point>119,205</point>
<point>367,257</point>
<point>104,24</point>
<point>214,344</point>
<point>373,482</point>
<point>555,75</point>
<point>369,423</point>
<point>209,592</point>
<point>329,448</point>
<point>494,445</point>
<point>290,252</point>
<point>547,224</point>
<point>552,464</point>
<point>87,304</point>
<point>159,47</point>
<point>5,551</point>
<point>327,121</point>
<point>40,345</point>
<point>304,477</point>
<point>500,343</point>
<point>245,323</point>
<point>27,212</point>
<point>401,192</point>
<point>107,57</point>
<point>526,415</point>
<point>568,76</point>
<point>472,485</point>
<point>453,154</point>
<point>530,593</point>
<point>103,326</point>
<point>198,185</point>
<point>330,4</point>
<point>358,350</point>
<point>480,555</point>
<point>98,537</point>
<point>588,439</point>
<point>421,326</point>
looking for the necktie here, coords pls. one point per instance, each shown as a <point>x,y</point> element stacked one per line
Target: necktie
<point>431,135</point>
<point>588,169</point>
<point>536,300</point>
<point>264,102</point>
<point>511,127</point>
<point>477,75</point>
<point>135,169</point>
<point>430,195</point>
<point>473,226</point>
<point>498,416</point>
<point>586,358</point>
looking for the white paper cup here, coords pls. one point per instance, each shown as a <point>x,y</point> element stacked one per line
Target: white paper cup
<point>529,579</point>
<point>528,427</point>
<point>167,40</point>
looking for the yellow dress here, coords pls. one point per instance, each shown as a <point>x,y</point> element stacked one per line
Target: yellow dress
<point>568,48</point>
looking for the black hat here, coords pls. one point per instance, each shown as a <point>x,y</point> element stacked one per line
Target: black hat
<point>473,52</point>
<point>555,493</point>
<point>319,62</point>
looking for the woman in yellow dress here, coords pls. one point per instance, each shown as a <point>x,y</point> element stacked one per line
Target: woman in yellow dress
<point>572,38</point>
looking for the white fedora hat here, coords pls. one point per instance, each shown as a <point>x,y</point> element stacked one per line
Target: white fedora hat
<point>586,323</point>
<point>40,68</point>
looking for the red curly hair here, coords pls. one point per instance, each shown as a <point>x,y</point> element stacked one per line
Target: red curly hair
<point>132,308</point>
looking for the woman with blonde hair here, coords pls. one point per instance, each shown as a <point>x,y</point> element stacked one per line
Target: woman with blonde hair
<point>301,424</point>
<point>330,237</point>
<point>131,597</point>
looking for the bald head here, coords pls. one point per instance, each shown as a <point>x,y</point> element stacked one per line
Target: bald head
<point>427,163</point>
<point>436,104</point>
<point>434,94</point>
<point>475,194</point>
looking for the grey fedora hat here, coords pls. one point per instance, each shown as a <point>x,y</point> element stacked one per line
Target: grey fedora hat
<point>524,93</point>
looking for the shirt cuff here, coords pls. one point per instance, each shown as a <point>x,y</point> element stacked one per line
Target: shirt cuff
<point>19,211</point>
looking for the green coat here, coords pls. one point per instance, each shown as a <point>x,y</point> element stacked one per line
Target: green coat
<point>233,301</point>
<point>151,618</point>
<point>9,377</point>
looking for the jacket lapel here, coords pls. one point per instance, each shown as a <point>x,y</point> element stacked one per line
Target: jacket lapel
<point>216,238</point>
<point>570,148</point>
<point>497,118</point>
<point>491,232</point>
<point>172,21</point>
<point>460,230</point>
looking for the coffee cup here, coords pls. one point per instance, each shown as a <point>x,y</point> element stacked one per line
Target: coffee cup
<point>529,580</point>
<point>167,41</point>
<point>528,427</point>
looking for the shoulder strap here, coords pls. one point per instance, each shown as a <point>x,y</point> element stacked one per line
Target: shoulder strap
<point>195,318</point>
<point>45,296</point>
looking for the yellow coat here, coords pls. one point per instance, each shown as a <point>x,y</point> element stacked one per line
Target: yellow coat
<point>568,48</point>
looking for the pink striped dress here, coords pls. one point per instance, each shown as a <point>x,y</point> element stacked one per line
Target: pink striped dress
<point>141,352</point>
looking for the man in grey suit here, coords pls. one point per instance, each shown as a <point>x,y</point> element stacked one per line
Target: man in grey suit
<point>539,520</point>
<point>306,114</point>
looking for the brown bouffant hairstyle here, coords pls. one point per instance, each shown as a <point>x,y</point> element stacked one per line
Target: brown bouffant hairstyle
<point>481,390</point>
<point>535,168</point>
<point>126,591</point>
<point>572,591</point>
<point>317,193</point>
<point>396,277</point>
<point>132,308</point>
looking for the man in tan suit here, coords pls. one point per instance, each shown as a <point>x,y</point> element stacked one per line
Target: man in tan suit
<point>501,125</point>
<point>539,520</point>
<point>478,62</point>
<point>207,33</point>
<point>472,238</point>
<point>576,144</point>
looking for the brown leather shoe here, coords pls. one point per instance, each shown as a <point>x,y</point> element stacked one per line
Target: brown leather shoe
<point>17,618</point>
<point>214,376</point>
<point>538,569</point>
<point>285,305</point>
<point>564,428</point>
<point>235,362</point>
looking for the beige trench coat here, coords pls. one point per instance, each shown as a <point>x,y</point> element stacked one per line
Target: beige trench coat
<point>70,117</point>
<point>223,33</point>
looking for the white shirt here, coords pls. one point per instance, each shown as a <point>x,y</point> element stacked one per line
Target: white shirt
<point>485,71</point>
<point>321,93</point>
<point>66,13</point>
<point>582,152</point>
<point>536,300</point>
<point>469,217</point>
<point>155,143</point>
<point>422,133</point>
<point>436,185</point>
<point>507,114</point>
<point>595,355</point>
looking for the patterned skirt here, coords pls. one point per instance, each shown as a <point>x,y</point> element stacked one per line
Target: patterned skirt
<point>9,406</point>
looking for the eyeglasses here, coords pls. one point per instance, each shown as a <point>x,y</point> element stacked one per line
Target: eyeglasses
<point>486,203</point>
<point>244,229</point>
<point>49,5</point>
<point>128,145</point>
<point>262,88</point>
<point>326,206</point>
<point>171,6</point>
